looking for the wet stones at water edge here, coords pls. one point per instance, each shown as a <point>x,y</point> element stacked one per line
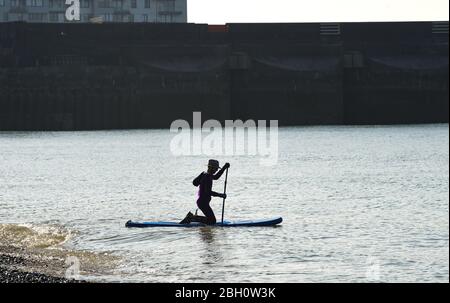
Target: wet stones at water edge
<point>14,276</point>
<point>11,275</point>
<point>11,260</point>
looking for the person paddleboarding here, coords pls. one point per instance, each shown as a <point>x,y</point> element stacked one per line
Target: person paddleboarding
<point>205,181</point>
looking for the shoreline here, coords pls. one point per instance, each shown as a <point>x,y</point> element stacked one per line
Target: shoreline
<point>38,253</point>
<point>16,267</point>
<point>15,276</point>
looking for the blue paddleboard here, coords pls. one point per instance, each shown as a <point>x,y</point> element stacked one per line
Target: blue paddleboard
<point>247,223</point>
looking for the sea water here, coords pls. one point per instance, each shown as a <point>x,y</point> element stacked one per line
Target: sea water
<point>360,204</point>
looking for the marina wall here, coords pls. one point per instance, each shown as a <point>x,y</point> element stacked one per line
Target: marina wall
<point>123,76</point>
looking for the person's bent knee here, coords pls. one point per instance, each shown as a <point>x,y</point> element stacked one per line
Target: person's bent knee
<point>211,221</point>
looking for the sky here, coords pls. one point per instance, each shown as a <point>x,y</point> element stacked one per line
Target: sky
<point>236,11</point>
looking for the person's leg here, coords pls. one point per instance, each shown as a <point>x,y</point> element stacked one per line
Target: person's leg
<point>209,219</point>
<point>200,219</point>
<point>187,219</point>
<point>209,213</point>
<point>194,218</point>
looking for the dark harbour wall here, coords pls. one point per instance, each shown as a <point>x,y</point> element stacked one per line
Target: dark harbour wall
<point>119,76</point>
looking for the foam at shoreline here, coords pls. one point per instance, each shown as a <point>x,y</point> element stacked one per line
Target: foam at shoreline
<point>33,236</point>
<point>39,249</point>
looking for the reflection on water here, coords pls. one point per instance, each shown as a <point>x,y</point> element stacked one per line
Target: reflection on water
<point>212,250</point>
<point>207,235</point>
<point>350,197</point>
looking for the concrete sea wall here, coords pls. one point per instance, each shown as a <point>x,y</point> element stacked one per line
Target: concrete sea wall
<point>120,76</point>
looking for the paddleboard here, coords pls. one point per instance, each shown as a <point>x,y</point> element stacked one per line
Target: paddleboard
<point>247,223</point>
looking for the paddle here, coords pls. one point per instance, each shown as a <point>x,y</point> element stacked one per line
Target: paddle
<point>224,192</point>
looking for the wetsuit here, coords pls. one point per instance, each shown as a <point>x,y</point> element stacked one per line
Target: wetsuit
<point>205,192</point>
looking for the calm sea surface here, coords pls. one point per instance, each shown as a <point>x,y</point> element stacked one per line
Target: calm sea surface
<point>359,204</point>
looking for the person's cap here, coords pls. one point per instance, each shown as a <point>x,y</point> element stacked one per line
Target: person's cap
<point>213,163</point>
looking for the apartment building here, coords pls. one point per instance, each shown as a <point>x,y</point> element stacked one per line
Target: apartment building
<point>54,11</point>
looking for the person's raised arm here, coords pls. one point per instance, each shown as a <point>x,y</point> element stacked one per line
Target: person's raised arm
<point>220,173</point>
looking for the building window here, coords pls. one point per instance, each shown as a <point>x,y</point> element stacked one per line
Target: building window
<point>133,4</point>
<point>107,17</point>
<point>56,3</point>
<point>53,17</point>
<point>15,3</point>
<point>56,17</point>
<point>16,17</point>
<point>2,2</point>
<point>167,19</point>
<point>36,17</point>
<point>104,4</point>
<point>169,5</point>
<point>85,3</point>
<point>118,3</point>
<point>35,3</point>
<point>147,3</point>
<point>86,17</point>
